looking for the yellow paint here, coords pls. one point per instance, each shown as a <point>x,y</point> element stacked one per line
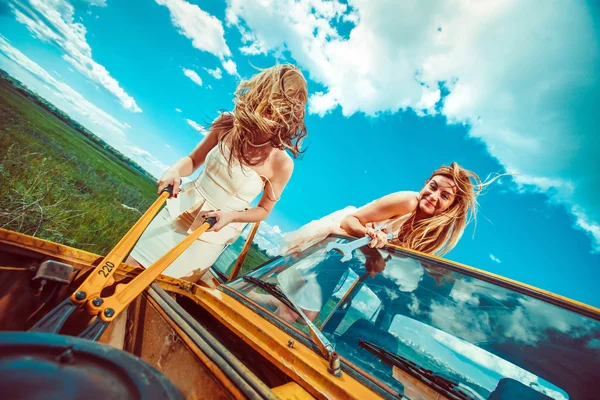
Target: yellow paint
<point>126,293</point>
<point>83,259</point>
<point>101,276</point>
<point>305,366</point>
<point>291,391</point>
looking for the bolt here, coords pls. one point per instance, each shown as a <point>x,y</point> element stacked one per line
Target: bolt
<point>67,357</point>
<point>97,302</point>
<point>334,365</point>
<point>109,312</point>
<point>81,295</point>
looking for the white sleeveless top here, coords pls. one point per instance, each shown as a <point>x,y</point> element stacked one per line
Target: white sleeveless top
<point>218,187</point>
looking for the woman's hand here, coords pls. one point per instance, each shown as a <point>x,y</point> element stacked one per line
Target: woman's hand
<point>171,177</point>
<point>378,238</point>
<point>223,218</point>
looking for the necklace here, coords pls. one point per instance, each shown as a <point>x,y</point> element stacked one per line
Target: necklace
<point>258,145</point>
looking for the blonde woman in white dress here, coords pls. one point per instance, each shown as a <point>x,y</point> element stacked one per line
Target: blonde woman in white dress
<point>430,221</point>
<point>244,153</point>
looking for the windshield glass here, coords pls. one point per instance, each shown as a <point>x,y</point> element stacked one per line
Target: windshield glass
<point>496,342</point>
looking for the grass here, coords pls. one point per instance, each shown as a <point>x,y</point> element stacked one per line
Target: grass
<point>61,185</point>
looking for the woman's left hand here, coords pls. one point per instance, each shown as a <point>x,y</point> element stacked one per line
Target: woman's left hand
<point>223,218</point>
<point>378,238</point>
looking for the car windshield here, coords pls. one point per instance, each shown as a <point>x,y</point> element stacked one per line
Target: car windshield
<point>496,342</point>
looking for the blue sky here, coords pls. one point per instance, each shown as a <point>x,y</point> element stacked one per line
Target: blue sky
<point>397,89</point>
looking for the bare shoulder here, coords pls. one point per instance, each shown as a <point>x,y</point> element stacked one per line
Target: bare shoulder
<point>401,202</point>
<point>404,197</point>
<point>390,206</point>
<point>283,163</point>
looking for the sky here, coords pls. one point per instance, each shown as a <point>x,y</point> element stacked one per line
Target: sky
<point>397,89</point>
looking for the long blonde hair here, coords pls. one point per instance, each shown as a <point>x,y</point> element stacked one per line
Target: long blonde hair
<point>439,234</point>
<point>269,110</point>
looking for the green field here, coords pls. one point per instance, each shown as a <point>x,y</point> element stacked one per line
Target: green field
<point>62,183</point>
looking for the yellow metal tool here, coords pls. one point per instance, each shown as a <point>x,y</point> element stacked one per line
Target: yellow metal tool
<point>102,276</point>
<point>109,307</point>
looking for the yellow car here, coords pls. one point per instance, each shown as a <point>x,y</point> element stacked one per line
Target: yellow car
<point>387,324</point>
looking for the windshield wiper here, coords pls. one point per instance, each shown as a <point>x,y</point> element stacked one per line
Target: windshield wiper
<point>274,290</point>
<point>449,388</point>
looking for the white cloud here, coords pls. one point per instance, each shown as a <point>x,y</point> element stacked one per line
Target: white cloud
<point>495,259</point>
<point>147,160</point>
<point>427,102</point>
<point>268,238</point>
<point>593,344</point>
<point>230,67</point>
<point>178,110</point>
<point>59,93</point>
<point>405,272</point>
<point>196,126</point>
<point>462,293</point>
<point>321,103</point>
<point>414,305</point>
<point>508,316</point>
<point>590,227</point>
<point>127,125</point>
<point>53,22</point>
<point>204,30</point>
<point>216,73</point>
<point>252,50</point>
<point>530,101</point>
<point>487,360</point>
<point>193,76</point>
<point>97,3</point>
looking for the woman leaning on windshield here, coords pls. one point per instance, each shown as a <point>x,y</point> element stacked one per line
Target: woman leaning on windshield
<point>244,153</point>
<point>430,221</point>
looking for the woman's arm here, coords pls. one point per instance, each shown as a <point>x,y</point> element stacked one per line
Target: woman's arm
<point>188,164</point>
<point>390,206</point>
<point>272,192</point>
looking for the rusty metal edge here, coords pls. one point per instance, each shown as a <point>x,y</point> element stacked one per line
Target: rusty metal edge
<point>84,258</point>
<point>242,378</point>
<point>302,364</point>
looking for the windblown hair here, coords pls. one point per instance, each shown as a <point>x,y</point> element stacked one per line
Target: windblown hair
<point>439,233</point>
<point>269,111</point>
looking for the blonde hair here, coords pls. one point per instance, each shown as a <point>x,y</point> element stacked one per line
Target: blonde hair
<point>269,110</point>
<point>439,233</point>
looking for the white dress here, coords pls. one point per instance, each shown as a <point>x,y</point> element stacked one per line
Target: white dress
<point>218,187</point>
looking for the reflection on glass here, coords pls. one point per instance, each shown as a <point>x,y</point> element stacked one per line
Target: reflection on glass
<point>495,341</point>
